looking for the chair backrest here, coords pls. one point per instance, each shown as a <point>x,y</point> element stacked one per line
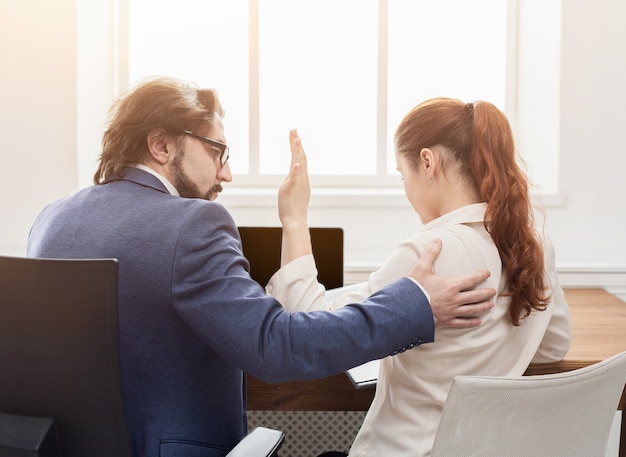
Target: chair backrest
<point>563,414</point>
<point>59,354</point>
<point>261,246</point>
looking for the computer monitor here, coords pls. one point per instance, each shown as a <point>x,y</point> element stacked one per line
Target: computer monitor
<point>261,246</point>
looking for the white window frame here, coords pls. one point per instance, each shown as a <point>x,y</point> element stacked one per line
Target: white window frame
<point>255,190</point>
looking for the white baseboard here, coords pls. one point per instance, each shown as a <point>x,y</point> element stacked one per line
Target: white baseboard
<point>619,292</point>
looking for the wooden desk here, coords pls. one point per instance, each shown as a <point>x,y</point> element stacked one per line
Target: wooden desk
<point>598,332</point>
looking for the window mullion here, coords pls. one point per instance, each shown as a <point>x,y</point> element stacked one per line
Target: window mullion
<point>512,64</point>
<point>381,112</point>
<point>254,153</point>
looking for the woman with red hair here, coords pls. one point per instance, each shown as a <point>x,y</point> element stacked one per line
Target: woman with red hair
<point>461,175</point>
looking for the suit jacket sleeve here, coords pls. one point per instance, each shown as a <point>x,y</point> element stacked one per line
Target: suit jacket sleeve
<point>214,294</point>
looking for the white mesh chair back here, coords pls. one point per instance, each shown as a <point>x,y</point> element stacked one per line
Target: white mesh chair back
<point>557,415</point>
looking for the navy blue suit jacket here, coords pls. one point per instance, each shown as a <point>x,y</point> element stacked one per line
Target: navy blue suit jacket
<point>192,320</point>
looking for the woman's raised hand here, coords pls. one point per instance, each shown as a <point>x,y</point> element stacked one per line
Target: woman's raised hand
<point>295,192</point>
<point>293,204</point>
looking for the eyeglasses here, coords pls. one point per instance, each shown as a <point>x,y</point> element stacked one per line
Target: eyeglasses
<point>224,150</point>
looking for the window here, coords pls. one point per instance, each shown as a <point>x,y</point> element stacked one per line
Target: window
<point>342,72</point>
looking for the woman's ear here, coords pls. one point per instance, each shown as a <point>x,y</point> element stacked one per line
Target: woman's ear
<point>158,146</point>
<point>426,155</point>
<point>428,161</point>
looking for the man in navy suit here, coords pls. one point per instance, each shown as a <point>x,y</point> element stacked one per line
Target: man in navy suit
<point>192,321</point>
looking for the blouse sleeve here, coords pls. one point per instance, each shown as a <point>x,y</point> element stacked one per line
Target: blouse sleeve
<point>295,285</point>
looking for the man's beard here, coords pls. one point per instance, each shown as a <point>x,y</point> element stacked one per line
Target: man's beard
<point>188,189</point>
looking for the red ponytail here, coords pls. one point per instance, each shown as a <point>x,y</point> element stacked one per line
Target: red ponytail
<point>509,217</point>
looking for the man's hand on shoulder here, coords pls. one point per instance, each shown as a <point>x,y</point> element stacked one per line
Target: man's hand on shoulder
<point>454,301</point>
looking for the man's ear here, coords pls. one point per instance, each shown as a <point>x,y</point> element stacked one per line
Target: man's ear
<point>158,143</point>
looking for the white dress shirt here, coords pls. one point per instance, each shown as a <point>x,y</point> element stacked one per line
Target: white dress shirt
<point>412,386</point>
<point>168,185</point>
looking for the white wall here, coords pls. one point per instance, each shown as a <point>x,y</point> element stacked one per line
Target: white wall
<point>590,231</point>
<point>37,112</point>
<point>592,228</point>
<point>41,130</point>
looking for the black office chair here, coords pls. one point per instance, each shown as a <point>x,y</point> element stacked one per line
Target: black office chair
<point>60,390</point>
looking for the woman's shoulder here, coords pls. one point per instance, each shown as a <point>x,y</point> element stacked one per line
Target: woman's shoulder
<point>454,235</point>
<point>464,248</point>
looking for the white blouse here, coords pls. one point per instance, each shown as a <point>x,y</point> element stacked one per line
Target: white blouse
<point>412,386</point>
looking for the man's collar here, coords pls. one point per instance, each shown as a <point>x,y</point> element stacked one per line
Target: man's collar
<point>168,185</point>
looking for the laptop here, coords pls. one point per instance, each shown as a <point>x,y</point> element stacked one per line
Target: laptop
<point>261,246</point>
